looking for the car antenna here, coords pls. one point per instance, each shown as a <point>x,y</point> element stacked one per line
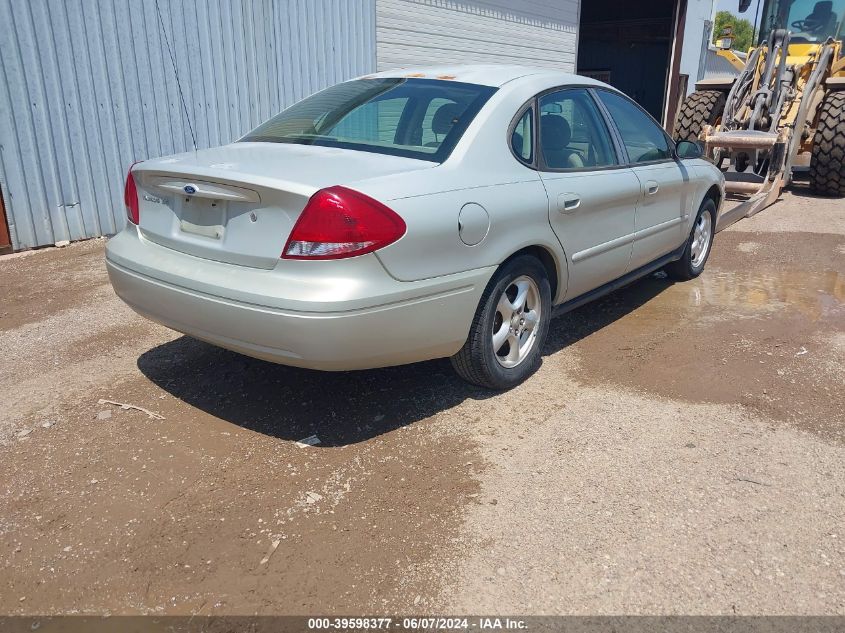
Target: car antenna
<point>176,73</point>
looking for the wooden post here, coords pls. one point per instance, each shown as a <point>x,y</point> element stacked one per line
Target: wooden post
<point>673,79</point>
<point>5,239</point>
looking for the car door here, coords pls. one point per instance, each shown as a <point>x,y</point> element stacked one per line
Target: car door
<point>664,202</point>
<point>592,197</point>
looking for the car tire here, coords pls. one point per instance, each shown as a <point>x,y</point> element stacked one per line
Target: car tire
<point>698,246</point>
<point>509,329</point>
<point>827,167</point>
<point>703,107</point>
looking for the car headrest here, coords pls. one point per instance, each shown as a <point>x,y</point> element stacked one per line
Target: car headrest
<point>555,132</point>
<point>445,117</point>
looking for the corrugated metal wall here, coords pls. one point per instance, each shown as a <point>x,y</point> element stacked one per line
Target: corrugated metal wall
<point>87,87</point>
<point>717,67</point>
<point>531,32</point>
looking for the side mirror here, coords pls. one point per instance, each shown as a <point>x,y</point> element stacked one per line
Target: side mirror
<point>689,149</point>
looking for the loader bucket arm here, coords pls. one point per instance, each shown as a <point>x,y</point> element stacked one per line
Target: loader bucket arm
<point>768,119</point>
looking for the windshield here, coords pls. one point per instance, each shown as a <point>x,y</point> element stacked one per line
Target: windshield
<point>809,20</point>
<point>416,118</point>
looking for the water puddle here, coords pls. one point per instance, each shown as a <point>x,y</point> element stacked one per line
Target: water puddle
<point>724,295</point>
<point>817,296</point>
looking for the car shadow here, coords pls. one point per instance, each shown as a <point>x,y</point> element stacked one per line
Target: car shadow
<point>344,408</point>
<point>289,403</point>
<point>571,327</point>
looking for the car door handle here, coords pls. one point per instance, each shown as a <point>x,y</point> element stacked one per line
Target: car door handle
<point>568,202</point>
<point>651,187</point>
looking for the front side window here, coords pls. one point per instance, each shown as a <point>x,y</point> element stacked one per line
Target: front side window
<point>643,138</point>
<point>573,134</point>
<point>416,118</point>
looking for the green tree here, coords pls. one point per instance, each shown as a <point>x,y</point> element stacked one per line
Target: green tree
<point>743,30</point>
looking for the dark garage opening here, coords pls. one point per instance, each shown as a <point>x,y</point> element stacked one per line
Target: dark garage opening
<point>629,45</point>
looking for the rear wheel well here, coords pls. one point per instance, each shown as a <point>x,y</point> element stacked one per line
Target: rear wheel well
<point>546,258</point>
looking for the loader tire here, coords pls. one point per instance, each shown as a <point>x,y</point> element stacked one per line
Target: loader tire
<point>702,107</point>
<point>827,166</point>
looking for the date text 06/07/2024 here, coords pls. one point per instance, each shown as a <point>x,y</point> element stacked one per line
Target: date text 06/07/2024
<point>417,623</point>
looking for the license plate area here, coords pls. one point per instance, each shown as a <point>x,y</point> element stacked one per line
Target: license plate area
<point>206,218</point>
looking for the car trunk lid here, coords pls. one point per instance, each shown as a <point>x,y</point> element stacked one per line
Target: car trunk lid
<point>239,203</point>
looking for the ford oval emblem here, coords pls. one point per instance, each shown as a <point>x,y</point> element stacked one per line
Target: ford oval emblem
<point>190,190</point>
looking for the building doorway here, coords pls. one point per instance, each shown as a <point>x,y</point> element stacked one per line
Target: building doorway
<point>631,46</point>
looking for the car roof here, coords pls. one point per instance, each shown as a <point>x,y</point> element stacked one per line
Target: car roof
<point>495,75</point>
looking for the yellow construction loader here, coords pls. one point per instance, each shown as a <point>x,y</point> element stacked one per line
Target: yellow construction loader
<point>784,113</point>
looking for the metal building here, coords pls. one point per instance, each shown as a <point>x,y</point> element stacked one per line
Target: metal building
<point>532,32</point>
<point>87,87</point>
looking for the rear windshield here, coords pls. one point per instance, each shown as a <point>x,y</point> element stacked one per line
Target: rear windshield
<point>416,118</point>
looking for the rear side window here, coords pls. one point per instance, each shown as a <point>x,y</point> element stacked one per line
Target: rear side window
<point>644,140</point>
<point>573,134</point>
<point>522,137</point>
<point>416,118</point>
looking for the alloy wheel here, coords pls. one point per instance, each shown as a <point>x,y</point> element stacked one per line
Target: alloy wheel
<point>518,313</point>
<point>701,238</point>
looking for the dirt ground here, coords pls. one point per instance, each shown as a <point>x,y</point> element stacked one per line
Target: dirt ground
<point>681,450</point>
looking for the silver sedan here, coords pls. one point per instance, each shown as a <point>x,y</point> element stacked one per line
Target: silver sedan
<point>411,215</point>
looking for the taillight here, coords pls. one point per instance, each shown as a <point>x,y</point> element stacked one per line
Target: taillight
<point>338,222</point>
<point>130,197</point>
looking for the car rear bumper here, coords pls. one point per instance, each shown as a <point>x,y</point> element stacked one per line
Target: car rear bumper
<point>338,316</point>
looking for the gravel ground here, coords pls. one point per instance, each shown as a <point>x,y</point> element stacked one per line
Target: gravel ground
<point>680,451</point>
